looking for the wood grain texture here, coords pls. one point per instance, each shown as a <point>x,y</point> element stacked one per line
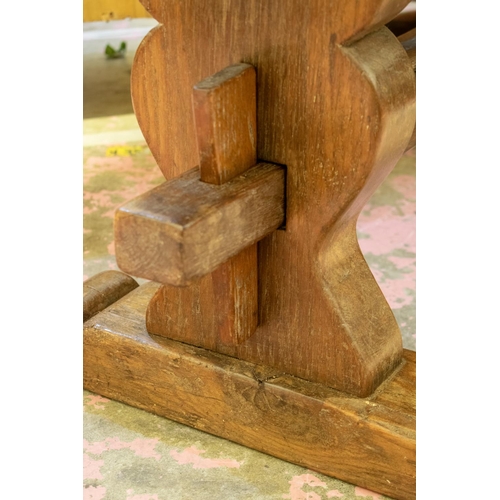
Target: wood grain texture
<point>103,289</point>
<point>224,108</point>
<point>236,297</point>
<point>217,34</point>
<point>185,228</point>
<point>369,442</point>
<point>336,105</point>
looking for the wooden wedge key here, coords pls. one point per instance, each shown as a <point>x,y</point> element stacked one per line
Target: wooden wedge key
<point>225,109</point>
<point>225,115</point>
<point>203,227</point>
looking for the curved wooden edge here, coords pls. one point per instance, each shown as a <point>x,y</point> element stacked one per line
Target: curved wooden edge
<point>365,89</point>
<point>409,42</point>
<point>358,18</point>
<point>104,289</point>
<point>374,349</point>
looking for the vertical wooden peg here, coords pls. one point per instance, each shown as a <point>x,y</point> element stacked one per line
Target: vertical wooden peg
<point>225,115</point>
<point>225,109</point>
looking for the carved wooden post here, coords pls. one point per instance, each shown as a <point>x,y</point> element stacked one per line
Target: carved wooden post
<point>322,315</point>
<point>335,98</point>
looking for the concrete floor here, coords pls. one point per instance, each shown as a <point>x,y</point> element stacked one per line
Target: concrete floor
<point>130,454</point>
<point>106,81</point>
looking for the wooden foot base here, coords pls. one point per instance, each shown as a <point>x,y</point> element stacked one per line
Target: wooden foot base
<point>369,442</point>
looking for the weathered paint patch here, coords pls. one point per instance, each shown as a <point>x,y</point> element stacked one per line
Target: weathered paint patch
<point>108,182</point>
<point>386,235</point>
<point>124,470</point>
<point>103,202</point>
<point>405,185</point>
<point>94,492</point>
<point>402,262</point>
<point>92,468</point>
<point>96,401</point>
<point>398,232</point>
<point>334,494</point>
<point>141,447</point>
<point>399,291</point>
<point>193,456</point>
<point>297,492</point>
<point>362,492</point>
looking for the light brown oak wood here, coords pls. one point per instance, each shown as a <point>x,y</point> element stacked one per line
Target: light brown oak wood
<point>323,382</point>
<point>185,228</point>
<point>225,107</point>
<point>236,297</point>
<point>336,105</point>
<point>369,442</point>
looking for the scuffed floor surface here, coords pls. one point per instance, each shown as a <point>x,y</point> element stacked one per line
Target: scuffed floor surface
<point>386,233</point>
<point>132,455</point>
